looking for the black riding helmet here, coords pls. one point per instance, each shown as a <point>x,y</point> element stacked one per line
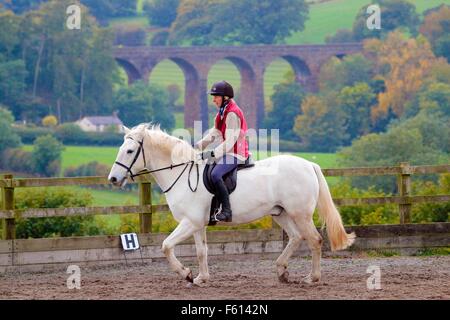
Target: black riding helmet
<point>222,88</point>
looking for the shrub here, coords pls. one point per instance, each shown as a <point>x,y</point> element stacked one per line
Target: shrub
<point>49,121</point>
<point>130,37</point>
<point>90,169</point>
<point>8,139</point>
<point>431,212</point>
<point>71,134</point>
<point>47,155</point>
<point>17,160</point>
<point>54,226</point>
<point>364,214</point>
<point>29,134</point>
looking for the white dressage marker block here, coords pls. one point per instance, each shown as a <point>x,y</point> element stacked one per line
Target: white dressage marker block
<point>129,241</point>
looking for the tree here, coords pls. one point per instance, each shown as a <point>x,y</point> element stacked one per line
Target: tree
<point>174,93</point>
<point>140,103</point>
<point>436,27</point>
<point>286,100</point>
<point>433,97</point>
<point>71,71</point>
<point>105,9</point>
<point>9,37</point>
<point>339,73</point>
<point>395,14</point>
<point>20,6</point>
<point>98,75</point>
<point>8,138</point>
<point>356,103</point>
<point>420,140</point>
<point>12,83</point>
<point>47,155</point>
<point>320,127</point>
<point>341,36</point>
<point>247,21</point>
<point>161,13</point>
<point>404,64</point>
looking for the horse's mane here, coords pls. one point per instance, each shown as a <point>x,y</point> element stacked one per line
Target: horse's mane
<point>178,149</point>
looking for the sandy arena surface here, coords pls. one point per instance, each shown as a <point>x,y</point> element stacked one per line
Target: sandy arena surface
<point>240,277</point>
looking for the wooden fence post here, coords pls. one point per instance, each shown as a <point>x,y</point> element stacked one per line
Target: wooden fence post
<point>145,197</point>
<point>9,225</point>
<point>404,189</point>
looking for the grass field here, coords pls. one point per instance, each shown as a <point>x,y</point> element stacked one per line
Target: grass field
<point>76,155</point>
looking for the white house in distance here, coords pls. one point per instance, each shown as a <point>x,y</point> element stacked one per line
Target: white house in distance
<point>100,123</point>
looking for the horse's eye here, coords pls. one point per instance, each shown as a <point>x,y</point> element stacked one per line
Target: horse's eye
<point>130,151</point>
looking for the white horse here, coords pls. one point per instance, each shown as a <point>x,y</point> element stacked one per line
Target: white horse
<point>291,196</point>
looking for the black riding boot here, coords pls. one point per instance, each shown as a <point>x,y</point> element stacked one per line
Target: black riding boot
<point>224,198</point>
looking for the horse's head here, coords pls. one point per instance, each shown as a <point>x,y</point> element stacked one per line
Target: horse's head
<point>130,158</point>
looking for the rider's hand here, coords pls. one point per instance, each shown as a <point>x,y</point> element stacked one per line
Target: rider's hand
<point>205,155</point>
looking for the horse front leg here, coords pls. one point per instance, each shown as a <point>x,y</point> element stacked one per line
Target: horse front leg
<point>202,255</point>
<point>184,230</point>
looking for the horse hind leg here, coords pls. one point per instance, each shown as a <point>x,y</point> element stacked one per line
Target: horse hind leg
<point>309,232</point>
<point>295,239</point>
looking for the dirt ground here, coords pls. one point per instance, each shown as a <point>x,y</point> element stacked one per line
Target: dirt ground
<point>240,277</point>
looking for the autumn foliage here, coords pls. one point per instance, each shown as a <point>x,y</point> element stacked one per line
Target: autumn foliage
<point>404,65</point>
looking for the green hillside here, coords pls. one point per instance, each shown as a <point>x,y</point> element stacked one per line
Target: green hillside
<point>327,17</point>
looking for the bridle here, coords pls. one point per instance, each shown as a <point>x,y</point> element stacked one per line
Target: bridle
<point>146,171</point>
<point>141,149</point>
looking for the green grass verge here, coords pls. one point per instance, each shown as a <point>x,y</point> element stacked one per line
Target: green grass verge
<point>444,251</point>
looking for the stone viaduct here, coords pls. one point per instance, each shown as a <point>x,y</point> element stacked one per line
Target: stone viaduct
<point>251,61</point>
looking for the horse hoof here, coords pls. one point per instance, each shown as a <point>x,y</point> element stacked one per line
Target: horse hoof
<point>310,279</point>
<point>189,277</point>
<point>284,277</point>
<point>200,282</point>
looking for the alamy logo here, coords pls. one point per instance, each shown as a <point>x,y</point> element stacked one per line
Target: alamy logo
<point>374,281</point>
<point>73,21</point>
<point>374,20</point>
<point>74,280</point>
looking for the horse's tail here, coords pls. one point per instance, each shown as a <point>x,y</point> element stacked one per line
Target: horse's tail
<point>329,215</point>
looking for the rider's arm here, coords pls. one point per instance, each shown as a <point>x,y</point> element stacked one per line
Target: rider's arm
<point>210,137</point>
<point>232,132</point>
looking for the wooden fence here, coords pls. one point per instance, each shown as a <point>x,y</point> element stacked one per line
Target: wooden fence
<point>8,184</point>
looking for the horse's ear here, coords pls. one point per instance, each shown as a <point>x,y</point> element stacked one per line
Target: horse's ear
<point>125,129</point>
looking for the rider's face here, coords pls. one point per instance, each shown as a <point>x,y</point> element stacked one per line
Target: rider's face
<point>217,101</point>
